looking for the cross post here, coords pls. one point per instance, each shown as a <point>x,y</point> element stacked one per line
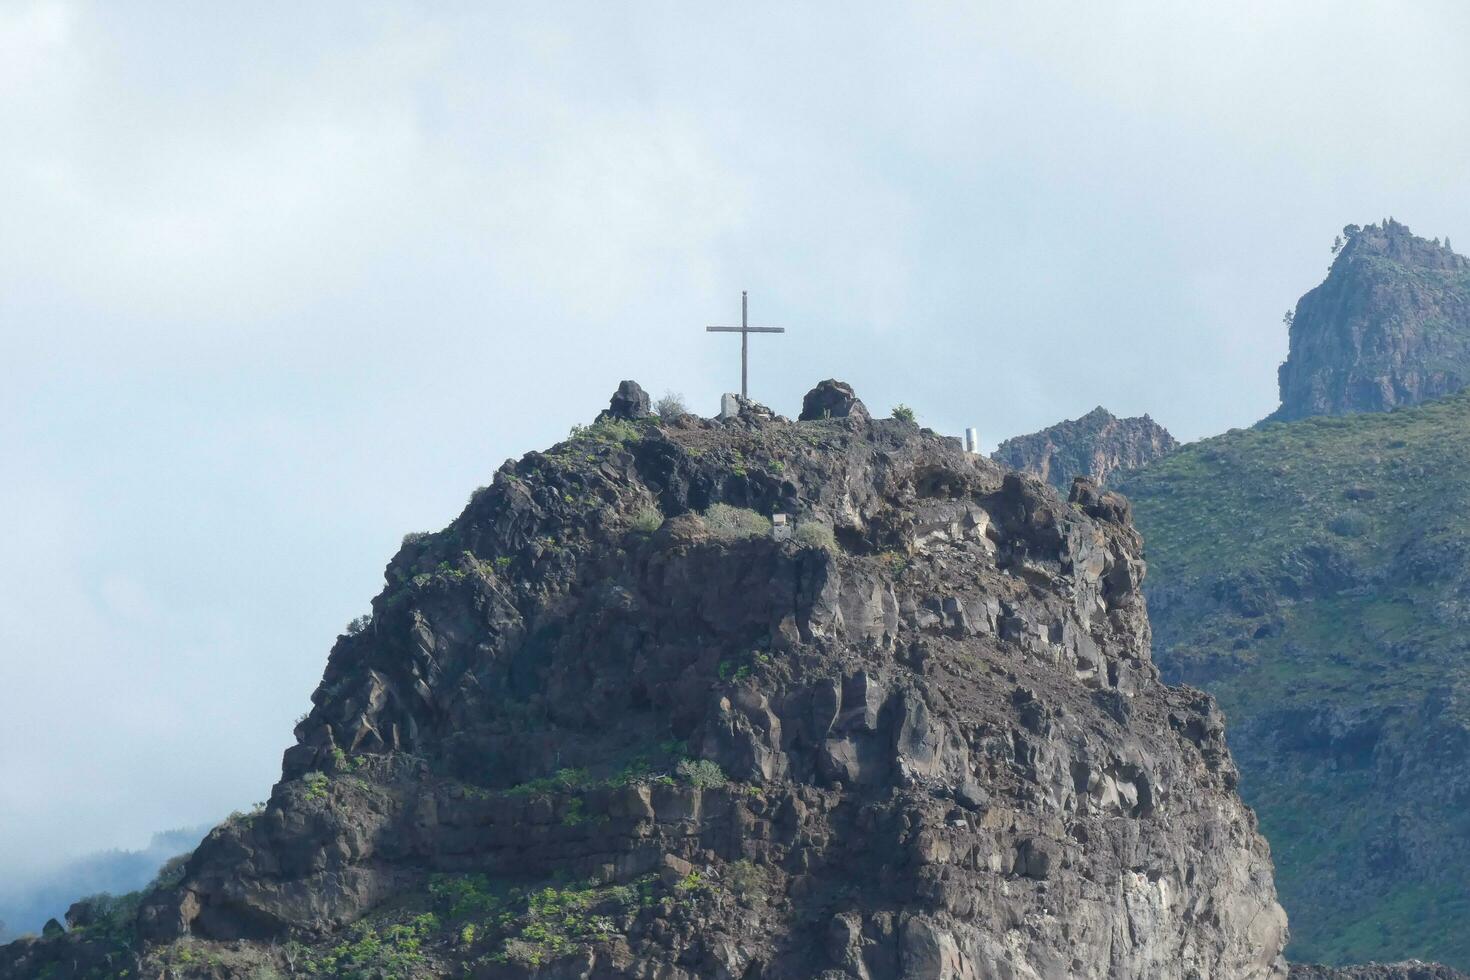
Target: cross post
<point>745,330</point>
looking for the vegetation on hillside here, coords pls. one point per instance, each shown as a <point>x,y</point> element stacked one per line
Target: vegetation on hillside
<point>1313,575</point>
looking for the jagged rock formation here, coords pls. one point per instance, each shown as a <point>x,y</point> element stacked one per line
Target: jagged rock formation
<point>1098,445</point>
<point>831,399</point>
<point>630,401</point>
<point>1390,326</point>
<point>1314,577</point>
<point>605,725</point>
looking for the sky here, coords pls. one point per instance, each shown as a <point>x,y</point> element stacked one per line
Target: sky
<point>280,282</point>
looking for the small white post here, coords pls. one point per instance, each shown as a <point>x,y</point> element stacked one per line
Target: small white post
<point>972,440</point>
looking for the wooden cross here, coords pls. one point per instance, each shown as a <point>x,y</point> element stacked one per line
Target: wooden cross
<point>744,330</point>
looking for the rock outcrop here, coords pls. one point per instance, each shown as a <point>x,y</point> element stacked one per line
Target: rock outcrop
<point>1098,445</point>
<point>832,399</point>
<point>630,401</point>
<point>606,725</point>
<point>1390,326</point>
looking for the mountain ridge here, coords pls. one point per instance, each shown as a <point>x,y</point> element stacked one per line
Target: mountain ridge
<point>1311,575</point>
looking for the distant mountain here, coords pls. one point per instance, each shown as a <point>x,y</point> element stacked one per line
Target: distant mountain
<point>1099,444</point>
<point>1389,327</point>
<point>26,904</point>
<point>1315,577</point>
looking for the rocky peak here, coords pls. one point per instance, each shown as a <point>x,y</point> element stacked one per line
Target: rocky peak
<point>1394,242</point>
<point>608,723</point>
<point>630,402</point>
<point>1097,445</point>
<point>1388,327</point>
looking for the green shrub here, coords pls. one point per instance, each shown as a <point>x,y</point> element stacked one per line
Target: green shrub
<point>563,781</point>
<point>732,523</point>
<point>1349,525</point>
<point>369,955</point>
<point>107,915</point>
<point>646,520</point>
<point>701,773</point>
<point>728,669</point>
<point>903,413</point>
<point>814,534</point>
<point>607,432</point>
<point>894,562</point>
<point>316,785</point>
<point>359,625</point>
<point>463,895</point>
<point>746,878</point>
<point>170,875</point>
<point>555,921</point>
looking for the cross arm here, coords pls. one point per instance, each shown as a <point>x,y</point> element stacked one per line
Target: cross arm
<point>745,329</point>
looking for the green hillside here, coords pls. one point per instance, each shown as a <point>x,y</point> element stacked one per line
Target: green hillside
<point>1315,576</point>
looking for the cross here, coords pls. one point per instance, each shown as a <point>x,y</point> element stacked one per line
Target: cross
<point>744,330</point>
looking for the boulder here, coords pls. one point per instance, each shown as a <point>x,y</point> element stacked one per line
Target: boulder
<point>630,402</point>
<point>832,399</point>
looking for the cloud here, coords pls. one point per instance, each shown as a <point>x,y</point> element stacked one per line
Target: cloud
<point>278,284</point>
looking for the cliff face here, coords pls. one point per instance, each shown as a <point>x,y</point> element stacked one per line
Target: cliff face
<point>1313,576</point>
<point>1098,445</point>
<point>606,724</point>
<point>1390,326</point>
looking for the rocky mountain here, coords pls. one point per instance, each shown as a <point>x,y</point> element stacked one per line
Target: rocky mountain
<point>1315,577</point>
<point>615,722</point>
<point>1098,445</point>
<point>1389,327</point>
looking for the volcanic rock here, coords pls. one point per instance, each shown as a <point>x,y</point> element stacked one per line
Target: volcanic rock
<point>592,732</point>
<point>832,399</point>
<point>1389,326</point>
<point>630,401</point>
<point>1098,445</point>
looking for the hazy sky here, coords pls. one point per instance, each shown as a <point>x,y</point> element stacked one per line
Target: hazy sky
<point>280,282</point>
